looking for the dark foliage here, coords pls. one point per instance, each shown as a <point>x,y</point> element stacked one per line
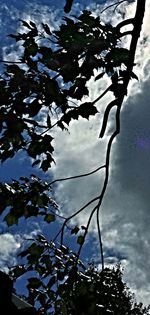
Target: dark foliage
<point>62,285</point>
<point>34,90</point>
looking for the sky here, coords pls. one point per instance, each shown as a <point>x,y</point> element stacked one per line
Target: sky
<point>125,212</point>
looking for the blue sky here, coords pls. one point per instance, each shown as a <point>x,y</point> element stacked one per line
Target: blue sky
<point>126,207</point>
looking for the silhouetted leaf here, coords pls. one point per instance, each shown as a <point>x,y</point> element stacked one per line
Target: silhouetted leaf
<point>49,218</point>
<point>33,24</point>
<point>33,108</point>
<point>99,76</point>
<point>51,281</point>
<point>25,24</point>
<point>134,76</point>
<point>34,283</point>
<point>31,48</point>
<point>46,29</point>
<point>117,56</point>
<point>45,165</point>
<point>87,109</point>
<point>18,271</point>
<point>80,239</point>
<point>36,163</point>
<point>68,5</point>
<point>11,219</point>
<point>75,230</point>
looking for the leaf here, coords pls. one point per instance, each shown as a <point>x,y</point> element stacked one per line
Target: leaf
<point>78,90</point>
<point>52,88</point>
<point>11,219</point>
<point>117,56</point>
<point>34,149</point>
<point>75,230</point>
<point>31,48</point>
<point>25,24</point>
<point>51,281</point>
<point>46,29</point>
<point>35,163</point>
<point>134,76</point>
<point>6,154</point>
<point>87,109</point>
<point>45,165</point>
<point>34,283</point>
<point>33,24</point>
<point>83,227</point>
<point>99,76</point>
<point>68,5</point>
<point>33,108</point>
<point>30,210</point>
<point>35,250</point>
<point>24,253</point>
<point>49,218</point>
<point>80,240</point>
<point>18,271</point>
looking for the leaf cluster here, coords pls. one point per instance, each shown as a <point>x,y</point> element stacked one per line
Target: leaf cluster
<point>25,198</point>
<point>61,284</point>
<point>35,90</point>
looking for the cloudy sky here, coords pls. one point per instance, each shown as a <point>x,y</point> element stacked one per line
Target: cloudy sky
<point>125,212</point>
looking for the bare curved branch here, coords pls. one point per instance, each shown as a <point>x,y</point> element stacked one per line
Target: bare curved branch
<point>112,5</point>
<point>135,35</point>
<point>100,96</point>
<point>106,114</point>
<point>76,176</point>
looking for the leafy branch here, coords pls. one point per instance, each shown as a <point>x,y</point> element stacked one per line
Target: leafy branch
<point>117,102</point>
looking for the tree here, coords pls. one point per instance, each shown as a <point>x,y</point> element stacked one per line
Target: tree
<point>32,88</point>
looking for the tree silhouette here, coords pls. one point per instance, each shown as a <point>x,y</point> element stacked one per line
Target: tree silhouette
<point>48,84</point>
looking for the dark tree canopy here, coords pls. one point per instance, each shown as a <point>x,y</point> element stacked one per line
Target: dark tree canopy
<point>35,89</point>
<point>44,91</point>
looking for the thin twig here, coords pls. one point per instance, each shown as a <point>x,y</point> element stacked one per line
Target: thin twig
<point>61,231</point>
<point>124,23</point>
<point>106,114</point>
<point>112,5</point>
<point>86,231</point>
<point>100,238</point>
<point>100,96</point>
<point>76,176</point>
<point>8,61</point>
<point>74,215</point>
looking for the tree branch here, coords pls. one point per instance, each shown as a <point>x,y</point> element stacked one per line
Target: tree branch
<point>13,62</point>
<point>112,5</point>
<point>75,214</point>
<point>76,176</point>
<point>105,119</point>
<point>135,35</point>
<point>100,96</point>
<point>100,238</point>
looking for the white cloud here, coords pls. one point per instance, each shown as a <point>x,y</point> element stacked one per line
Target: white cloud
<point>9,245</point>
